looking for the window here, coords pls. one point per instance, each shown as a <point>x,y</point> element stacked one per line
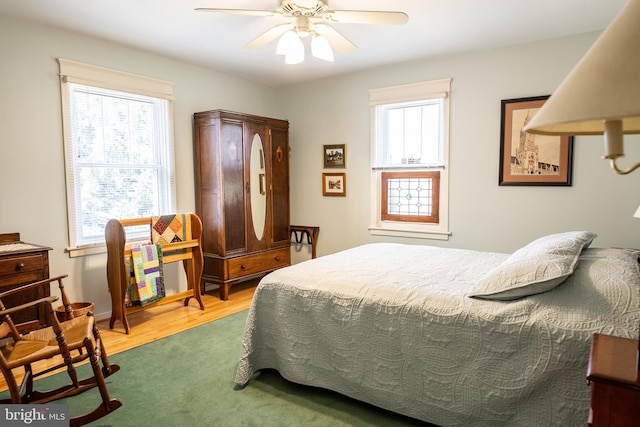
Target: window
<point>411,196</point>
<point>409,162</point>
<point>118,137</point>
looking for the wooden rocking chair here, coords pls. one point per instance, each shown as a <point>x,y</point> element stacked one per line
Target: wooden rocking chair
<point>78,335</point>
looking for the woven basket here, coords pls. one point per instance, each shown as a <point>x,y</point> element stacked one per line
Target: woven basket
<point>77,309</point>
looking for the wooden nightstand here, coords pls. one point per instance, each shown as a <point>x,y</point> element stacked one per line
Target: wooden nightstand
<point>615,385</point>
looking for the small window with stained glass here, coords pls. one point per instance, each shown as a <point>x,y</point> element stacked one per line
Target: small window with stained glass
<point>411,196</point>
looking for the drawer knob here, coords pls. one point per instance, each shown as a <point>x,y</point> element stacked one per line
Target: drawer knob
<point>243,267</point>
<point>277,258</point>
<point>20,266</point>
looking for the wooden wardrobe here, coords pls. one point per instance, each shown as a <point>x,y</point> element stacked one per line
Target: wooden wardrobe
<point>242,195</point>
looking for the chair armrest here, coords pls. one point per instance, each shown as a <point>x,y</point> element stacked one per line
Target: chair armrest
<point>11,310</point>
<point>31,285</point>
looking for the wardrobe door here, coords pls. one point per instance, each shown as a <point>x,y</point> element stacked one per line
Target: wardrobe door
<point>256,177</point>
<point>280,184</point>
<point>208,185</point>
<point>233,188</point>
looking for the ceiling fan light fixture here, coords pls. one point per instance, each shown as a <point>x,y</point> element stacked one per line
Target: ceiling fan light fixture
<point>290,45</point>
<point>303,27</point>
<point>294,57</point>
<point>289,42</point>
<point>311,18</point>
<point>306,4</point>
<point>320,48</point>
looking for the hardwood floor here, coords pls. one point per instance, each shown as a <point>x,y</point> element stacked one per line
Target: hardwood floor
<point>164,320</point>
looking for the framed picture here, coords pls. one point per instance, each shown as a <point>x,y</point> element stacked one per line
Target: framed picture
<point>528,159</point>
<point>334,156</point>
<point>334,184</point>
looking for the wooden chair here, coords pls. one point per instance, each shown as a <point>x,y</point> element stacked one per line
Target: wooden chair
<point>72,341</point>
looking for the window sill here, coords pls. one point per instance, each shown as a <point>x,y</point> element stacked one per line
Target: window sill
<point>418,234</point>
<point>86,250</point>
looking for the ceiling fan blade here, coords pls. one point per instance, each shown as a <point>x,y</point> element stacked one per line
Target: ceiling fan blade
<point>366,17</point>
<point>269,35</point>
<point>237,11</point>
<point>335,39</point>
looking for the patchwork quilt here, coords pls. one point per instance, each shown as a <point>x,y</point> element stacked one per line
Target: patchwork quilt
<point>170,229</point>
<point>147,279</point>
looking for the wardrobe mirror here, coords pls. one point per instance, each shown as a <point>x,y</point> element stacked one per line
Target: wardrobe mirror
<point>258,187</point>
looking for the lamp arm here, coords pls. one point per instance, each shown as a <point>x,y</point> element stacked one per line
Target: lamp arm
<point>613,145</point>
<point>615,167</point>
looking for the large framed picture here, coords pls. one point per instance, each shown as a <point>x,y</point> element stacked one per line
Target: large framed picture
<point>528,159</point>
<point>334,184</point>
<point>334,156</point>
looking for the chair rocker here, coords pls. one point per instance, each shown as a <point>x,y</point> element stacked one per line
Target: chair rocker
<point>78,335</point>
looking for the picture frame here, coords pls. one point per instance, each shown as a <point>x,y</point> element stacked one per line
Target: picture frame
<point>334,184</point>
<point>528,159</point>
<point>334,156</point>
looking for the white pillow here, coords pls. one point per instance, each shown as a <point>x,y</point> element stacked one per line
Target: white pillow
<point>538,267</point>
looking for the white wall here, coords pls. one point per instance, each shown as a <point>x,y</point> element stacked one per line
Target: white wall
<point>32,183</point>
<point>483,215</point>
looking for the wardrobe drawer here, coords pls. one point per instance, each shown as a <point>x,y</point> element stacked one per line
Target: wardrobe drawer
<point>256,263</point>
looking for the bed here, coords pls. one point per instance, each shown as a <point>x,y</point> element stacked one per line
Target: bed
<point>447,336</point>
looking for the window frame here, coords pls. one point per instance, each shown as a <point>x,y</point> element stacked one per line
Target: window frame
<point>403,227</point>
<point>72,72</point>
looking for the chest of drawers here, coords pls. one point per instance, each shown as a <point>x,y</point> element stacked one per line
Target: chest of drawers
<point>615,383</point>
<point>22,263</point>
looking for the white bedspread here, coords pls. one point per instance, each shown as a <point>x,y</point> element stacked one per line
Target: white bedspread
<point>390,324</point>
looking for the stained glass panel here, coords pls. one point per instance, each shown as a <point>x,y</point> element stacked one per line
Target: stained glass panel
<point>409,196</point>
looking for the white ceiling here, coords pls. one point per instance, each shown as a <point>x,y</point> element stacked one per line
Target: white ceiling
<point>215,41</point>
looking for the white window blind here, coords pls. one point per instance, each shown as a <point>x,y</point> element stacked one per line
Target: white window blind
<point>118,148</point>
<point>411,134</point>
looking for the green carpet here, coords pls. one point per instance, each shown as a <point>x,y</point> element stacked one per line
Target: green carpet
<point>187,380</point>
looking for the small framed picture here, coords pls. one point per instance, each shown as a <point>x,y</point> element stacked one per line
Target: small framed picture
<point>334,184</point>
<point>334,156</point>
<point>528,159</point>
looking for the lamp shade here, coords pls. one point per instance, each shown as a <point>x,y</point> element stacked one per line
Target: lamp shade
<point>603,88</point>
<point>290,45</point>
<point>295,57</point>
<point>637,214</point>
<point>321,49</point>
<point>289,42</point>
<point>295,54</point>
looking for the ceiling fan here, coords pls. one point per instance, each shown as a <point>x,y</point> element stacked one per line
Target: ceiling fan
<point>311,18</point>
